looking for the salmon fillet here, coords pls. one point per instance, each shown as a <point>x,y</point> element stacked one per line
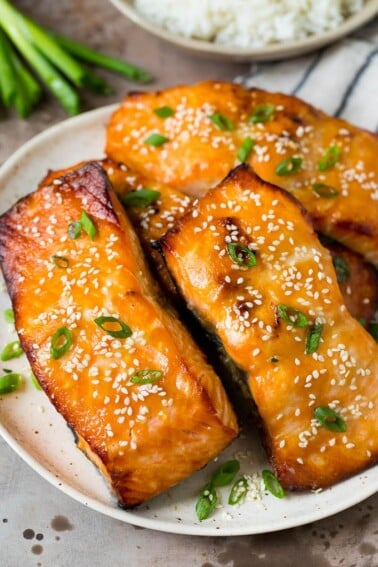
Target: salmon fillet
<point>102,341</point>
<point>268,289</point>
<point>326,163</point>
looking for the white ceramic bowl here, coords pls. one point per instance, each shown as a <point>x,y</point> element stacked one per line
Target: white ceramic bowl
<point>269,52</point>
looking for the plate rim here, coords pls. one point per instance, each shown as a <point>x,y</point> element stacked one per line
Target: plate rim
<point>270,52</point>
<point>353,497</point>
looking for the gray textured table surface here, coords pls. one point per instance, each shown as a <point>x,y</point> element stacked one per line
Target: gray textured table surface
<point>40,526</point>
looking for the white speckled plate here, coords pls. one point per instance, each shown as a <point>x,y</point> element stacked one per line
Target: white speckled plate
<point>269,52</point>
<point>30,424</point>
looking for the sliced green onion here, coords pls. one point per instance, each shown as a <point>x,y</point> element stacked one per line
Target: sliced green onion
<point>206,502</point>
<point>146,376</point>
<point>342,269</point>
<point>9,383</point>
<point>141,198</point>
<point>222,122</point>
<point>35,382</point>
<point>164,111</point>
<point>245,149</point>
<point>7,370</point>
<point>11,350</point>
<point>313,338</point>
<point>88,225</point>
<point>107,324</point>
<point>225,474</point>
<point>241,254</point>
<point>262,113</point>
<point>292,316</point>
<point>156,140</point>
<point>325,191</point>
<point>272,484</point>
<point>61,262</point>
<point>74,230</point>
<point>9,315</point>
<point>373,330</point>
<point>60,342</point>
<point>329,419</point>
<point>238,491</point>
<point>289,166</point>
<point>329,158</point>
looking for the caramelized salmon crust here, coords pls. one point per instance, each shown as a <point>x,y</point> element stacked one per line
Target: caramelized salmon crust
<point>105,346</point>
<point>268,289</point>
<point>326,163</point>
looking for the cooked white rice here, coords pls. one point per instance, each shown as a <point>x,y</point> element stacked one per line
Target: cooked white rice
<point>247,23</point>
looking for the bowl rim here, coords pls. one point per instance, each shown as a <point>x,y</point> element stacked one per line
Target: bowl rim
<point>367,12</point>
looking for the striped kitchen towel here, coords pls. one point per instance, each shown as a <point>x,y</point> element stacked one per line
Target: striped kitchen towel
<point>341,79</point>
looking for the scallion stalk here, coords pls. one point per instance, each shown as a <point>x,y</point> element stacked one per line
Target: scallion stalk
<point>57,60</point>
<point>13,24</point>
<point>52,51</point>
<point>102,60</point>
<point>30,92</point>
<point>8,79</point>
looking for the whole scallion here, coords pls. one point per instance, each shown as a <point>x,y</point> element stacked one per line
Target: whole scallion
<point>57,60</point>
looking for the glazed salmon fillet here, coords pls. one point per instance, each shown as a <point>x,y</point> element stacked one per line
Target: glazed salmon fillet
<point>102,341</point>
<point>329,165</point>
<point>269,291</point>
